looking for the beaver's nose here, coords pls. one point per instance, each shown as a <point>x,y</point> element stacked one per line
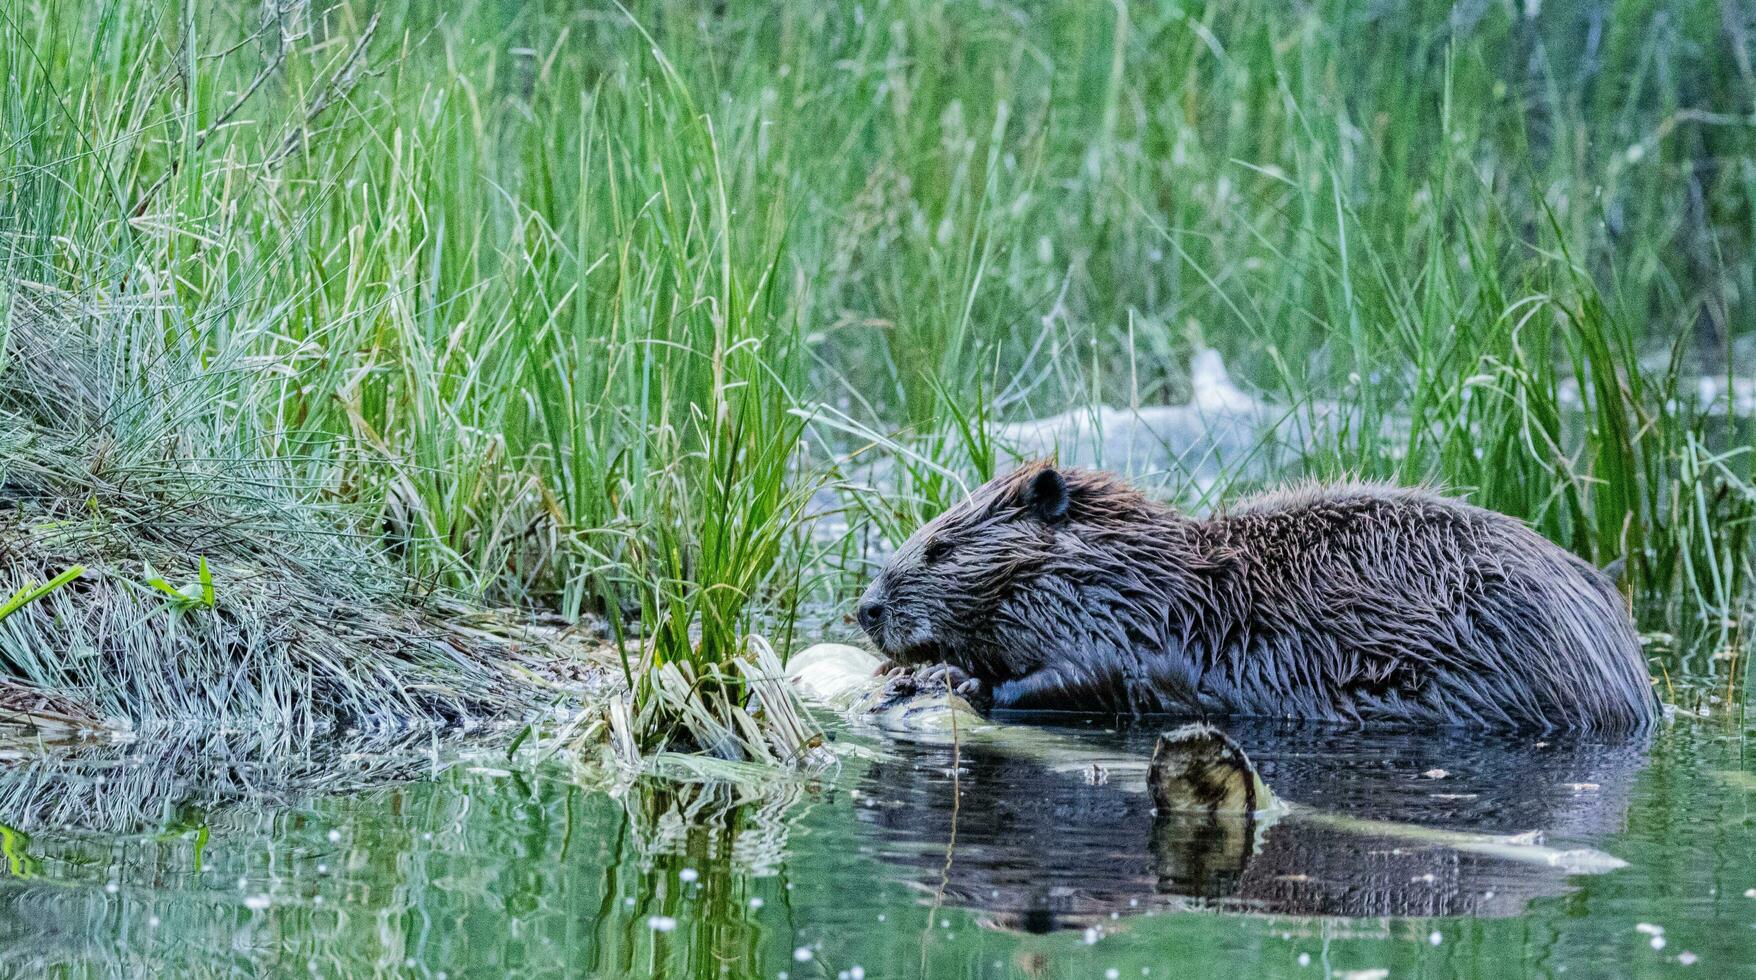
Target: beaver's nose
<point>870,614</point>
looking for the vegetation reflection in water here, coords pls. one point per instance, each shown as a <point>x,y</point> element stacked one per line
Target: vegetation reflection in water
<point>906,860</point>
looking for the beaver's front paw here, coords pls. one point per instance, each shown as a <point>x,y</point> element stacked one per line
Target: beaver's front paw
<point>902,681</point>
<point>960,681</point>
<point>975,692</point>
<point>944,675</point>
<point>895,669</point>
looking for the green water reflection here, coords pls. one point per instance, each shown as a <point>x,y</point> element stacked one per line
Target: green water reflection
<point>893,866</point>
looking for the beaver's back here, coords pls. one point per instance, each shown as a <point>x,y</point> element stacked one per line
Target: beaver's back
<point>1373,603</point>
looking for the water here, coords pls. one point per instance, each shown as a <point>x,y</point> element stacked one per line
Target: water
<point>191,860</point>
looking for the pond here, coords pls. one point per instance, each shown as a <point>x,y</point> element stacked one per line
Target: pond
<point>907,859</point>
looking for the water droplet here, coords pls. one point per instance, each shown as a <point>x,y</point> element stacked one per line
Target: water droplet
<point>113,887</point>
<point>688,874</point>
<point>803,954</point>
<point>1304,959</point>
<point>1658,942</point>
<point>1687,958</point>
<point>256,903</point>
<point>335,837</point>
<point>661,923</point>
<point>1112,973</point>
<point>1435,938</point>
<point>756,903</point>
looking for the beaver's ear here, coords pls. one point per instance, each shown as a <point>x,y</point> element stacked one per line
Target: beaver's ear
<point>1046,495</point>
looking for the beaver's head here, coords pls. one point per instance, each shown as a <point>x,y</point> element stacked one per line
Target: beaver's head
<point>984,583</point>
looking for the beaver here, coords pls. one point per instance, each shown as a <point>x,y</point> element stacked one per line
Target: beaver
<point>1358,603</point>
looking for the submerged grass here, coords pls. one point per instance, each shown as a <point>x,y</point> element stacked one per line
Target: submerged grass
<point>582,307</point>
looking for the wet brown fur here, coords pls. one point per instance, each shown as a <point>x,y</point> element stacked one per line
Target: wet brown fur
<point>1357,602</point>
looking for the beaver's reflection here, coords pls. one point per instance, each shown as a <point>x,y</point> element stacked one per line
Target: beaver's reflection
<point>1040,848</point>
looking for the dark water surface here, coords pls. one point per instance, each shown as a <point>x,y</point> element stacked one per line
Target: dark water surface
<point>898,864</point>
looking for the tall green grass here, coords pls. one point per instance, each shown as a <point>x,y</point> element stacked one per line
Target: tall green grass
<point>575,305</point>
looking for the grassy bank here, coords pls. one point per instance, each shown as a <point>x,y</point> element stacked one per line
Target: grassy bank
<point>554,305</point>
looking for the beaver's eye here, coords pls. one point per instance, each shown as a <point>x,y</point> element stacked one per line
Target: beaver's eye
<point>936,549</point>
